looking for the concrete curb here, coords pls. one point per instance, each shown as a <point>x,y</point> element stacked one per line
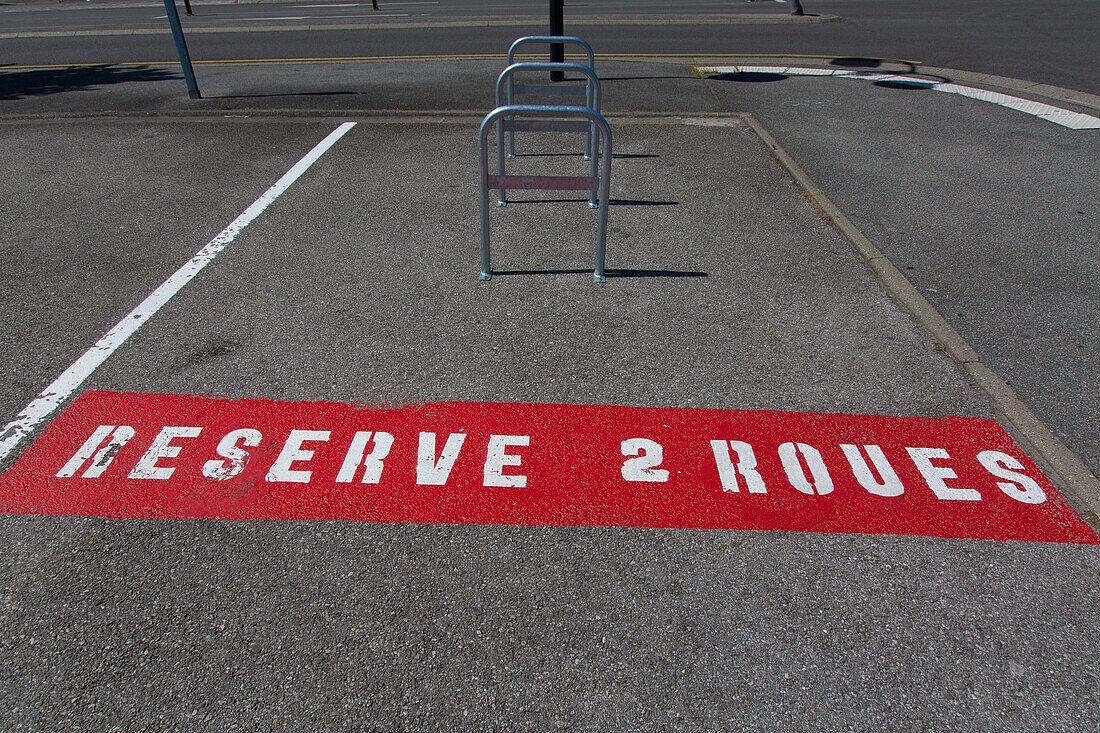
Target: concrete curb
<point>1073,476</point>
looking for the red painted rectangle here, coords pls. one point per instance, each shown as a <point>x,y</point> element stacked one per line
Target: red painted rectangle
<point>131,455</point>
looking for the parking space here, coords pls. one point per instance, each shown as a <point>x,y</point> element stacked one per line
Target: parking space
<point>357,290</point>
<point>358,285</point>
<point>363,288</point>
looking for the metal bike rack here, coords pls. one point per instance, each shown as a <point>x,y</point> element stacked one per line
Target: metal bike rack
<point>592,97</point>
<point>568,119</point>
<point>551,39</point>
<point>555,89</point>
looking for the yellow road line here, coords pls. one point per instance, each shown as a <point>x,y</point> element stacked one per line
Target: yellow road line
<point>440,57</point>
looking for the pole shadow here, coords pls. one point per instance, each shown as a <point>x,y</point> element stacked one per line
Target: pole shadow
<point>904,84</point>
<point>855,62</point>
<point>609,272</point>
<point>614,156</point>
<point>284,94</point>
<point>612,202</point>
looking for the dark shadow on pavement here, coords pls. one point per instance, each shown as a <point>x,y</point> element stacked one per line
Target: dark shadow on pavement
<point>904,84</point>
<point>749,76</point>
<point>641,78</point>
<point>925,81</point>
<point>614,156</point>
<point>853,62</point>
<point>610,272</point>
<point>282,94</point>
<point>40,82</point>
<point>613,202</point>
<point>856,63</point>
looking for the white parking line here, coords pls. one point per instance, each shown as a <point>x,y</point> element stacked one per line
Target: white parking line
<point>51,397</point>
<point>1057,115</point>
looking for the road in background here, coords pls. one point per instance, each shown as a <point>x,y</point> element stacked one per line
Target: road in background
<point>1051,44</point>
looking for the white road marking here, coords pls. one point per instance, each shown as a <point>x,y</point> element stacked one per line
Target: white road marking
<point>51,397</point>
<point>1057,115</point>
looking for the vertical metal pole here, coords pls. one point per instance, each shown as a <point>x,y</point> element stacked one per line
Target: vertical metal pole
<point>502,195</point>
<point>593,201</point>
<point>557,28</point>
<point>483,162</point>
<point>605,204</point>
<point>181,49</point>
<point>508,101</point>
<point>590,136</point>
<point>593,92</point>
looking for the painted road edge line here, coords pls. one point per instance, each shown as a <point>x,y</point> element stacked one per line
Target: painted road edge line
<point>1057,115</point>
<point>62,387</point>
<point>1038,438</point>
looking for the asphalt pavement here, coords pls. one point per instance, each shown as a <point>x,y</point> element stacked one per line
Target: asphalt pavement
<point>732,287</point>
<point>1012,38</point>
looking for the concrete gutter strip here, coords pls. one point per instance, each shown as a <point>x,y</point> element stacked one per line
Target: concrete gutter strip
<point>1020,85</point>
<point>1040,442</point>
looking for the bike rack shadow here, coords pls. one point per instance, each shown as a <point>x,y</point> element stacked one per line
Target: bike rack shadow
<point>612,202</point>
<point>283,94</point>
<point>609,272</point>
<point>614,156</point>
